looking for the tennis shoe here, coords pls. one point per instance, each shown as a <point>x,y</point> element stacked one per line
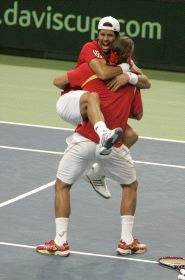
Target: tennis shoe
<point>50,248</point>
<point>97,180</point>
<point>108,139</point>
<point>134,248</point>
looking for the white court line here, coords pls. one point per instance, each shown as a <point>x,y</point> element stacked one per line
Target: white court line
<point>36,125</point>
<point>159,164</point>
<point>85,254</point>
<point>71,129</point>
<point>60,153</point>
<point>31,150</point>
<point>27,194</point>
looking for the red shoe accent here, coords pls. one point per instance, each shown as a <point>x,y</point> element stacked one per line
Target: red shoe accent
<point>134,248</point>
<point>51,248</point>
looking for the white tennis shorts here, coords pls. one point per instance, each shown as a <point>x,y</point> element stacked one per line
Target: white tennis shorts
<point>81,154</point>
<point>68,106</point>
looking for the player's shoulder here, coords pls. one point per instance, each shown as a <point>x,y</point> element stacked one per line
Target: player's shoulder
<point>92,44</point>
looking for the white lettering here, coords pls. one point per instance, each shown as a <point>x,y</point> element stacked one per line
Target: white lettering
<point>121,21</point>
<point>10,16</point>
<point>57,18</point>
<point>38,21</point>
<point>79,24</point>
<point>66,23</point>
<point>48,22</point>
<point>133,28</point>
<point>94,30</point>
<point>25,18</point>
<point>97,54</point>
<point>150,26</point>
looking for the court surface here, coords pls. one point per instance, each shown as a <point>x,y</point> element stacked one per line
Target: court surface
<point>29,157</point>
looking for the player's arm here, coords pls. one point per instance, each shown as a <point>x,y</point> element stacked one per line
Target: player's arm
<point>141,81</point>
<point>104,71</point>
<point>61,81</point>
<point>134,68</point>
<point>107,72</point>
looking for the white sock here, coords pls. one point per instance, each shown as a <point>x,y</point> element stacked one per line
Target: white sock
<point>100,128</point>
<point>61,230</point>
<point>127,223</point>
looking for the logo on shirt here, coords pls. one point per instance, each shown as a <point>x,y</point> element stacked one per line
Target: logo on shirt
<point>97,54</point>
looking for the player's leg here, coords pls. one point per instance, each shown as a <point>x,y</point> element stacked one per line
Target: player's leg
<point>59,246</point>
<point>120,168</point>
<point>78,156</point>
<point>90,109</point>
<point>129,245</point>
<point>127,211</point>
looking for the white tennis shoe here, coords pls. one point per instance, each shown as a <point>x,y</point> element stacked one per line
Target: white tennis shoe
<point>108,139</point>
<point>97,180</point>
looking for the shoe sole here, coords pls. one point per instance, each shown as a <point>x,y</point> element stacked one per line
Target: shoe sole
<point>57,253</point>
<point>107,197</point>
<point>130,252</point>
<point>112,141</point>
<point>103,151</point>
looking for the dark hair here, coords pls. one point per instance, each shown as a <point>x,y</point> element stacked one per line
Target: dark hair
<point>124,47</point>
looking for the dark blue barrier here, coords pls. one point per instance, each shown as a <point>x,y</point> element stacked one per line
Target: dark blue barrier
<point>57,29</point>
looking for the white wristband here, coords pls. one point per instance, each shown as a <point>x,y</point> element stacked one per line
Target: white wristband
<point>124,67</point>
<point>133,78</point>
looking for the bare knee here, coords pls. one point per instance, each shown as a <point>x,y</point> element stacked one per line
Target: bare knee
<point>89,97</point>
<point>61,186</point>
<point>132,187</point>
<point>86,100</point>
<point>93,97</point>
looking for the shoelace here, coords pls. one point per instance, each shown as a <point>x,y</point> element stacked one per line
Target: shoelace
<point>98,182</point>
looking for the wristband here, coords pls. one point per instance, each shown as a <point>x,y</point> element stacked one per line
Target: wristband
<point>124,67</point>
<point>133,78</point>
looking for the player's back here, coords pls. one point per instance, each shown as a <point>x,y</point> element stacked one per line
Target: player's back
<point>114,105</point>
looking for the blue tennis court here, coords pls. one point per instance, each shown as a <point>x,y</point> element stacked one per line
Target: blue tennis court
<point>29,160</point>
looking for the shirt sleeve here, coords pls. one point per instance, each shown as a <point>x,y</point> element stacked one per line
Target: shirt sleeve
<point>89,51</point>
<point>137,105</point>
<point>73,78</point>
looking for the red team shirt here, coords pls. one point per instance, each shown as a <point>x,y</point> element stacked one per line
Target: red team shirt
<point>115,106</point>
<point>89,51</point>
